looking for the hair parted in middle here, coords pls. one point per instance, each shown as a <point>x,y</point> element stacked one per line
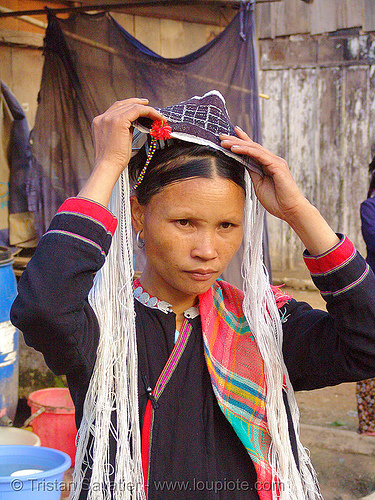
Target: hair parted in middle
<point>182,160</point>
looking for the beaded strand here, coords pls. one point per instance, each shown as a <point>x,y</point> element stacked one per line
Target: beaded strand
<point>150,154</point>
<point>160,130</point>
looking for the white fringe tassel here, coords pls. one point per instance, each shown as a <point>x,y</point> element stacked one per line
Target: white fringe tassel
<point>264,320</point>
<point>114,383</point>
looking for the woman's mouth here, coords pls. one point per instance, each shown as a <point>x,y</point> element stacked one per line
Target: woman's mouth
<point>202,274</point>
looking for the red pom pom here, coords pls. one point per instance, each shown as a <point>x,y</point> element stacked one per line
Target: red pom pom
<point>160,130</point>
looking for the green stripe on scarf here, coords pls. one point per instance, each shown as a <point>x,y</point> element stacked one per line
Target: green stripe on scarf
<point>237,374</point>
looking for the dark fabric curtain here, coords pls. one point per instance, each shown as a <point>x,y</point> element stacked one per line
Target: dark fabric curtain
<point>19,156</point>
<point>91,61</point>
<point>17,153</point>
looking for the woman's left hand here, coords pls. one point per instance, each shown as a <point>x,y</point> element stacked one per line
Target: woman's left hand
<point>276,190</point>
<point>279,194</point>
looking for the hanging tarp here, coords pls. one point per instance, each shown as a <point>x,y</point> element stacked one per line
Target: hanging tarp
<point>91,61</point>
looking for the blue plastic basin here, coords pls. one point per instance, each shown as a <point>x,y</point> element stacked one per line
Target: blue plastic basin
<point>44,485</point>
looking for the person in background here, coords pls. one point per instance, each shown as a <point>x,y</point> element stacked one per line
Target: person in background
<point>366,388</point>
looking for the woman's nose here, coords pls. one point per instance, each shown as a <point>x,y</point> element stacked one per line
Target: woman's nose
<point>205,246</point>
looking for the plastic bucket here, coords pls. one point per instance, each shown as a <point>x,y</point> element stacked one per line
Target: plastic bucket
<point>32,472</point>
<point>12,435</point>
<point>55,423</point>
<point>8,338</point>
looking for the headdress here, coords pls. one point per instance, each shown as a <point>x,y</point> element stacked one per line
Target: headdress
<point>114,383</point>
<point>199,120</point>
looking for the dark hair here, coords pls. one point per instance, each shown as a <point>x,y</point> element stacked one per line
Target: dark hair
<point>182,160</point>
<point>371,169</point>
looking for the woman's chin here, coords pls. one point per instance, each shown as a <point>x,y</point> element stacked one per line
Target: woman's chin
<point>198,284</point>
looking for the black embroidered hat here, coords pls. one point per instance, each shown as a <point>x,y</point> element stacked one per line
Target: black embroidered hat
<point>199,120</point>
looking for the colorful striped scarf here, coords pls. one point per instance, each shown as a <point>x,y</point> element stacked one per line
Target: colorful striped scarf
<point>237,374</point>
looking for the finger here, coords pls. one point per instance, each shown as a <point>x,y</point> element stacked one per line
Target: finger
<point>150,112</point>
<point>239,146</point>
<point>137,108</point>
<point>126,113</point>
<point>255,178</point>
<point>119,107</point>
<point>241,134</point>
<point>132,109</point>
<point>228,141</point>
<point>226,137</point>
<point>259,154</point>
<point>126,102</point>
<point>249,147</point>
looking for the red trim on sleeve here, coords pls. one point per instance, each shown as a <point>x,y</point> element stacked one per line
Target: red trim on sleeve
<point>92,209</point>
<point>331,260</point>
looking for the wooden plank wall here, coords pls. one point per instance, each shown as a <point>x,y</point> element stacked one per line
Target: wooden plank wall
<point>21,70</point>
<point>321,118</point>
<point>286,17</point>
<point>290,17</point>
<point>17,24</point>
<point>21,59</point>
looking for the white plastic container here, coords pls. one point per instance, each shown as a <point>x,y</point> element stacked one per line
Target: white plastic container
<point>13,435</point>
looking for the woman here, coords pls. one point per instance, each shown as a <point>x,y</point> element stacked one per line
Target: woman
<point>366,388</point>
<point>217,416</point>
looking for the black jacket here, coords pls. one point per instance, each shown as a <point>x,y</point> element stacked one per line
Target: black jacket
<point>192,441</point>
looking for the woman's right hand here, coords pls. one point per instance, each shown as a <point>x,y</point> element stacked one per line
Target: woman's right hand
<point>113,135</point>
<point>113,132</point>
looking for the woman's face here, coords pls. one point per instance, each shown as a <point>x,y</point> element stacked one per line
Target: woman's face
<point>192,229</point>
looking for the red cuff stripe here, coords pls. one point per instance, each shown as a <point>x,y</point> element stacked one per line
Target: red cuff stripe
<point>331,260</point>
<point>91,209</point>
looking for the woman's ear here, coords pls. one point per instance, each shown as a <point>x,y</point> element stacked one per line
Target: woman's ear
<point>138,211</point>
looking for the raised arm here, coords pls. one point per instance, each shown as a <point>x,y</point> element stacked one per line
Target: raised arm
<point>51,308</point>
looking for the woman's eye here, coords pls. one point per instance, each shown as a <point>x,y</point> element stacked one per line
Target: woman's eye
<point>226,225</point>
<point>183,222</point>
